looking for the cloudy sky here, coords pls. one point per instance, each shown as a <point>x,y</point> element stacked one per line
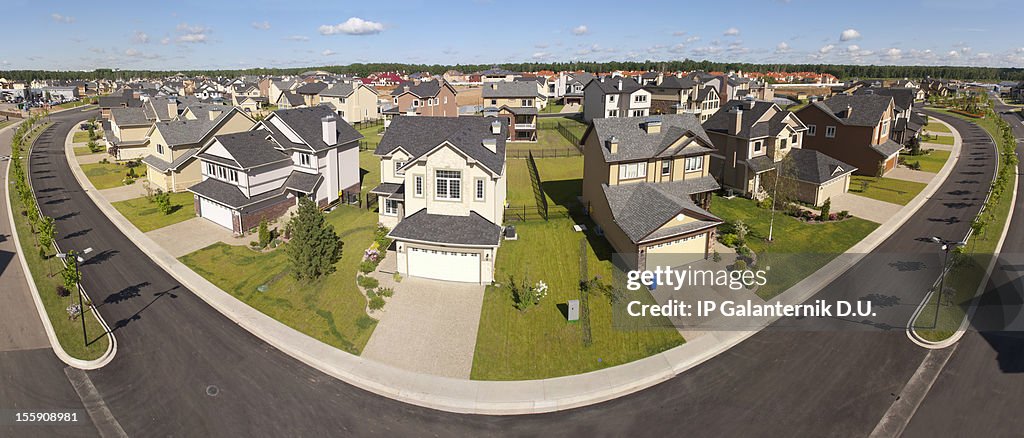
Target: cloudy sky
<point>64,35</point>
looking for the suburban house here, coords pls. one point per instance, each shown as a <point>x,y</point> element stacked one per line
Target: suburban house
<point>906,125</point>
<point>574,84</point>
<point>442,193</point>
<point>352,101</point>
<point>124,100</point>
<point>172,147</point>
<point>259,174</point>
<point>647,186</point>
<point>311,92</point>
<point>615,97</point>
<point>428,98</point>
<point>125,132</point>
<point>754,139</point>
<point>290,99</point>
<point>855,130</point>
<point>517,94</point>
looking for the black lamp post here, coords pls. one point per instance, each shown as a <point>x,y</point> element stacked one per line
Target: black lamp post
<point>76,259</point>
<point>947,246</point>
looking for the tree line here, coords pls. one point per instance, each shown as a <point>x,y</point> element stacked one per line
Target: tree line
<point>363,69</point>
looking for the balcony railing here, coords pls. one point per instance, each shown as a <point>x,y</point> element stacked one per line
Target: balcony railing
<point>524,126</point>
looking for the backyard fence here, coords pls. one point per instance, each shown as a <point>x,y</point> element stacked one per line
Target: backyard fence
<point>365,145</point>
<point>519,154</point>
<point>368,124</point>
<point>570,136</point>
<point>528,213</point>
<point>538,190</point>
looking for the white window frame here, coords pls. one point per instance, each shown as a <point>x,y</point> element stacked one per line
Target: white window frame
<point>640,98</point>
<point>417,185</point>
<point>830,132</point>
<point>812,130</point>
<point>479,189</point>
<point>666,167</point>
<point>446,182</point>
<point>160,149</point>
<point>694,163</point>
<point>885,127</point>
<point>526,102</point>
<point>390,207</point>
<point>757,146</point>
<point>613,113</point>
<point>305,160</point>
<point>635,170</point>
<point>398,166</point>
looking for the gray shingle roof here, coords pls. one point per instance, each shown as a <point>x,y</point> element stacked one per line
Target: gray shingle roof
<point>129,116</point>
<point>901,96</point>
<point>422,89</point>
<point>866,109</point>
<point>673,82</point>
<point>518,89</point>
<point>611,85</point>
<point>340,89</point>
<point>163,166</point>
<point>229,194</point>
<point>250,148</point>
<point>640,209</point>
<point>453,230</point>
<point>311,88</point>
<point>293,98</point>
<point>307,124</point>
<point>189,132</point>
<point>636,144</point>
<point>815,167</point>
<point>888,148</point>
<point>418,135</point>
<point>303,182</point>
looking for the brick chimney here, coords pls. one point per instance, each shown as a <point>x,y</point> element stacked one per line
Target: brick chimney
<point>735,120</point>
<point>330,130</point>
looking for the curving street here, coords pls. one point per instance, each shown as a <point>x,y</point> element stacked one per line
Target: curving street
<point>184,369</point>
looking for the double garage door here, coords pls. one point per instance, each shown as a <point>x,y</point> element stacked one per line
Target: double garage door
<point>677,252</point>
<point>216,213</point>
<point>444,265</point>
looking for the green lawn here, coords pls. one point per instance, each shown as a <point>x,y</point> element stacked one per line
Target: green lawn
<point>372,135</point>
<point>5,123</point>
<point>797,248</point>
<point>896,191</point>
<point>331,310</point>
<point>69,332</point>
<point>936,127</point>
<point>939,139</point>
<point>564,177</point>
<point>84,150</point>
<point>83,136</point>
<point>369,165</point>
<point>109,175</point>
<point>572,124</point>
<point>73,104</point>
<point>144,214</point>
<point>931,162</point>
<point>552,108</point>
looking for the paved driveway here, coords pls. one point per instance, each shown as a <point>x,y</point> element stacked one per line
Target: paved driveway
<point>124,193</point>
<point>192,235</point>
<point>864,207</point>
<point>428,326</point>
<point>908,174</point>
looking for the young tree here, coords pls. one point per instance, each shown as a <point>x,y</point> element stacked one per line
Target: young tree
<point>826,208</point>
<point>163,201</point>
<point>47,230</point>
<point>264,233</point>
<point>314,247</point>
<point>71,275</point>
<point>92,132</point>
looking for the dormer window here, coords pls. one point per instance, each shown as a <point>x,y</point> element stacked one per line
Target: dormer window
<point>783,143</point>
<point>305,160</point>
<point>398,166</point>
<point>757,146</point>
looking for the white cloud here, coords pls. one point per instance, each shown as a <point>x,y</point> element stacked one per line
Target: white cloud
<point>849,34</point>
<point>693,39</point>
<point>540,46</point>
<point>732,31</point>
<point>782,47</point>
<point>328,52</point>
<point>132,53</point>
<point>678,33</point>
<point>353,26</point>
<point>580,30</point>
<point>953,54</point>
<point>826,48</point>
<point>261,25</point>
<point>140,37</point>
<point>297,38</point>
<point>188,33</point>
<point>678,48</point>
<point>540,55</point>
<point>165,40</point>
<point>62,18</point>
<point>893,54</point>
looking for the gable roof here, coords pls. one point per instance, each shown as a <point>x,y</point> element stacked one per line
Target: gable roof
<point>437,228</point>
<point>902,97</point>
<point>418,135</point>
<point>515,89</point>
<point>641,209</point>
<point>636,144</point>
<point>311,88</point>
<point>676,83</point>
<point>129,116</point>
<point>866,109</point>
<point>307,124</point>
<point>293,98</point>
<point>342,89</point>
<point>815,167</point>
<point>611,85</point>
<point>248,149</point>
<point>751,123</point>
<point>422,89</point>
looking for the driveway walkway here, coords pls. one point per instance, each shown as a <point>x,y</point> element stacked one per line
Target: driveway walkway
<point>122,193</point>
<point>192,235</point>
<point>428,326</point>
<point>907,174</point>
<point>864,207</point>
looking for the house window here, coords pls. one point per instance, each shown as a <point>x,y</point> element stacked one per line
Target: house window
<point>390,207</point>
<point>611,98</point>
<point>398,167</point>
<point>637,113</point>
<point>613,113</point>
<point>416,103</point>
<point>446,100</point>
<point>812,129</point>
<point>210,169</point>
<point>341,99</point>
<point>793,140</point>
<point>666,167</point>
<point>479,190</point>
<point>526,102</point>
<point>757,146</point>
<point>782,143</point>
<point>448,185</point>
<point>830,131</point>
<point>305,160</point>
<point>885,128</point>
<point>694,163</point>
<point>159,148</point>
<point>233,175</point>
<point>494,101</point>
<point>417,182</point>
<point>640,98</point>
<point>396,101</point>
<point>633,170</point>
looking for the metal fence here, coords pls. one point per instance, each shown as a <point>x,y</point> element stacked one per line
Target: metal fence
<point>519,154</point>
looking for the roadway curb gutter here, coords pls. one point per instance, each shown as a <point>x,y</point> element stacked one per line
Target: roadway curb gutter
<point>962,329</point>
<point>97,363</point>
<point>490,397</point>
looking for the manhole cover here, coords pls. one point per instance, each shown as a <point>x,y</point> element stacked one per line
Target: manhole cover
<point>212,391</point>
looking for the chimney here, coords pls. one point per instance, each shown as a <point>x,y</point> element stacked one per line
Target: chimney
<point>613,145</point>
<point>735,120</point>
<point>652,125</point>
<point>849,110</point>
<point>496,127</point>
<point>172,107</point>
<point>491,144</point>
<point>494,85</point>
<point>330,130</point>
<point>620,85</point>
<point>405,88</point>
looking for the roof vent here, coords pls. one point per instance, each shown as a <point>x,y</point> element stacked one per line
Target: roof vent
<point>496,127</point>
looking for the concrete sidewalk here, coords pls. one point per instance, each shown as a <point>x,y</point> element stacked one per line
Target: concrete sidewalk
<point>498,397</point>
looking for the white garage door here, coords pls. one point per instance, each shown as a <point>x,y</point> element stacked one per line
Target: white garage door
<point>217,213</point>
<point>678,252</point>
<point>444,265</point>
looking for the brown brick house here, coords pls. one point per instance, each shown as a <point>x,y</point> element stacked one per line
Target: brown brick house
<point>427,98</point>
<point>855,130</point>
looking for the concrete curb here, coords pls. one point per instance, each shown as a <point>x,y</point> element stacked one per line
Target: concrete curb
<point>960,331</point>
<point>97,363</point>
<point>489,397</point>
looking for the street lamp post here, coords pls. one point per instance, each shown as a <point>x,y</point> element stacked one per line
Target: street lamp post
<point>76,259</point>
<point>946,247</point>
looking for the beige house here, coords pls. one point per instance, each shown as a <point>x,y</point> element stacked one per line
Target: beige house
<point>125,133</point>
<point>646,185</point>
<point>352,101</point>
<point>172,147</point>
<point>517,94</point>
<point>442,193</point>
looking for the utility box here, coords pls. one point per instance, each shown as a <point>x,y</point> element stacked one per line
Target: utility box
<point>574,310</point>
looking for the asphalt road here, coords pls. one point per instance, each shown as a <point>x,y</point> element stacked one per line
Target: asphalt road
<point>183,369</point>
<point>980,388</point>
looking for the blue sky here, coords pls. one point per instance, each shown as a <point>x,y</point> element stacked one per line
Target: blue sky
<point>64,35</point>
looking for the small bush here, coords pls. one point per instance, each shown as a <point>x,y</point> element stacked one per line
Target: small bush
<point>364,322</point>
<point>254,244</point>
<point>844,214</point>
<point>716,257</point>
<point>743,251</point>
<point>386,292</point>
<point>740,265</point>
<point>728,239</point>
<point>397,277</point>
<point>367,282</point>
<point>765,203</point>
<point>376,303</point>
<point>367,266</point>
<point>264,234</point>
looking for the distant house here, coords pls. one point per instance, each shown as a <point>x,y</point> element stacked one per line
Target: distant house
<point>855,130</point>
<point>311,93</point>
<point>647,187</point>
<point>430,98</point>
<point>290,99</point>
<point>574,85</point>
<point>171,151</point>
<point>125,133</point>
<point>259,174</point>
<point>905,126</point>
<point>352,101</point>
<point>442,191</point>
<point>615,97</point>
<point>517,94</point>
<point>754,139</point>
